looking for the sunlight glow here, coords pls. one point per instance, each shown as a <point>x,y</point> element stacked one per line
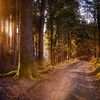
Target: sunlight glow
<point>1,26</point>
<point>17,30</point>
<point>10,31</point>
<point>84,12</point>
<point>6,28</point>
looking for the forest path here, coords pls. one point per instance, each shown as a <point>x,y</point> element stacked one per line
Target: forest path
<point>70,83</point>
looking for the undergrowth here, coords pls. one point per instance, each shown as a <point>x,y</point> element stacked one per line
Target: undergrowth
<point>96,67</point>
<point>37,70</point>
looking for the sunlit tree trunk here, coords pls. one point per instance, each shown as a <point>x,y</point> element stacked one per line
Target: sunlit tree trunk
<point>26,42</point>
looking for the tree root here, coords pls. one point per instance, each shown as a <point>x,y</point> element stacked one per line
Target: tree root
<point>9,74</point>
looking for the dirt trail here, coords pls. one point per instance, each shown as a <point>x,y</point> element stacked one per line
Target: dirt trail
<point>70,83</point>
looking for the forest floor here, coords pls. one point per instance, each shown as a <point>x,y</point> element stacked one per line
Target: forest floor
<point>73,82</point>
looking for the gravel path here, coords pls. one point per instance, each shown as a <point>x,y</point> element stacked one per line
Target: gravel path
<point>71,83</point>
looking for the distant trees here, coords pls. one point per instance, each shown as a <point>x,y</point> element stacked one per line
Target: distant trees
<point>61,21</point>
<point>94,9</point>
<point>38,12</point>
<point>98,20</point>
<point>89,24</point>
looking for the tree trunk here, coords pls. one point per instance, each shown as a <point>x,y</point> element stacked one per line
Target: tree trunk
<point>98,22</point>
<point>26,42</point>
<point>51,30</point>
<point>41,28</point>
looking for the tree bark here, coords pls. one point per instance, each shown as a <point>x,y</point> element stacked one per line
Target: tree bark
<point>41,29</point>
<point>26,40</point>
<point>98,22</point>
